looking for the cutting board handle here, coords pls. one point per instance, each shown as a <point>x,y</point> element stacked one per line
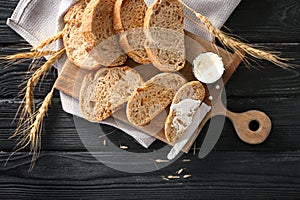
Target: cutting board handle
<point>252,127</point>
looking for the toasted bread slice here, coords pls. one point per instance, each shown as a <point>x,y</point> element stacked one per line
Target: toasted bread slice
<point>129,18</point>
<point>75,45</point>
<point>97,29</point>
<point>153,97</point>
<point>164,30</point>
<point>183,109</point>
<point>103,93</point>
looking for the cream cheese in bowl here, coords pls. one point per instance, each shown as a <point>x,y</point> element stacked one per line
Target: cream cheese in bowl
<point>208,67</point>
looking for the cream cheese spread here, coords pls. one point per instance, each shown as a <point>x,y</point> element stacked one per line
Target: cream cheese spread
<point>184,113</point>
<point>208,67</point>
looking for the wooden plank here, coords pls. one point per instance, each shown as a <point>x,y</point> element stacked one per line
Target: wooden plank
<point>59,133</point>
<point>77,175</point>
<point>266,21</point>
<point>266,79</point>
<point>7,35</point>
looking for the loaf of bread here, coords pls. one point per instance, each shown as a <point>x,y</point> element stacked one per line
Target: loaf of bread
<point>153,97</point>
<point>183,109</point>
<point>97,29</point>
<point>75,45</point>
<point>103,93</point>
<point>164,30</point>
<point>129,18</point>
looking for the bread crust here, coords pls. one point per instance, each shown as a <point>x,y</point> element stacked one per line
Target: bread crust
<point>193,90</point>
<point>118,26</point>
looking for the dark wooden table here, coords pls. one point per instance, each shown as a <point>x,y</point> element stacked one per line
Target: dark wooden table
<point>233,169</point>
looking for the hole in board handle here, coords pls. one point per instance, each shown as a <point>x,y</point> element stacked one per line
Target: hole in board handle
<point>254,125</point>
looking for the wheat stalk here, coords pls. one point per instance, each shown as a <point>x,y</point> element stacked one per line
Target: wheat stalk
<point>28,130</point>
<point>35,52</point>
<point>28,55</point>
<point>28,108</point>
<point>236,45</point>
<point>26,117</point>
<point>48,41</point>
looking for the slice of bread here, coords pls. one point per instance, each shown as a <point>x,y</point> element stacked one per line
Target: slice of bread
<point>75,45</point>
<point>97,29</point>
<point>183,109</point>
<point>153,97</point>
<point>164,30</point>
<point>103,93</point>
<point>129,18</point>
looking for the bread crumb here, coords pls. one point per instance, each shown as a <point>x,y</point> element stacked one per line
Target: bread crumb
<point>104,142</point>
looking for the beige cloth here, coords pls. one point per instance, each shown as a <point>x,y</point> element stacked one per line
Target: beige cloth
<point>36,20</point>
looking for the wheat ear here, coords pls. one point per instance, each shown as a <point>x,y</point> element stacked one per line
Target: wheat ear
<point>29,127</point>
<point>26,117</point>
<point>32,135</point>
<point>48,41</point>
<point>35,129</point>
<point>236,45</point>
<point>35,78</point>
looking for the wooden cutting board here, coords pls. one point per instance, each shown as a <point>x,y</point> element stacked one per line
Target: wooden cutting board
<point>70,79</point>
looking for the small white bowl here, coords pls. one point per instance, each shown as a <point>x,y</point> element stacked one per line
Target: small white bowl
<point>208,67</point>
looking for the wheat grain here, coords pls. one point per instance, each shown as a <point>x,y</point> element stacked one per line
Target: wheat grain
<point>173,177</point>
<point>123,147</point>
<point>179,171</point>
<point>187,176</point>
<point>161,161</point>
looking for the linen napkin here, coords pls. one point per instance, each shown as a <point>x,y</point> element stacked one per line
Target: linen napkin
<point>36,20</point>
